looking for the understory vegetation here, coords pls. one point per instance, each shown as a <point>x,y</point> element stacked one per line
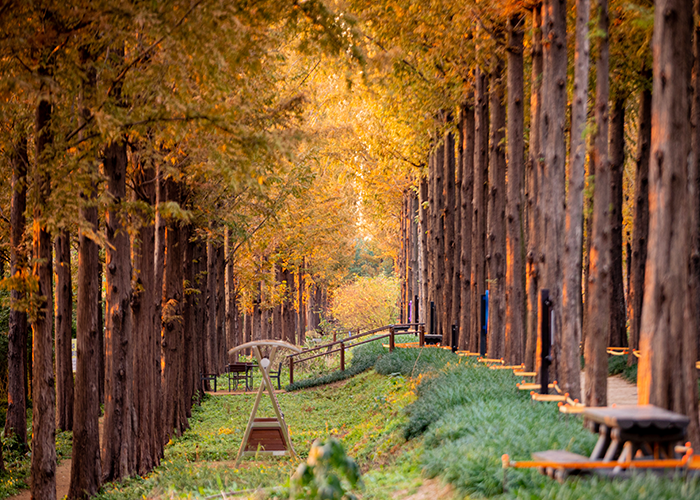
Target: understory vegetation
<point>406,416</point>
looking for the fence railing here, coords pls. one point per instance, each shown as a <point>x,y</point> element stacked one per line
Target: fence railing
<point>350,342</point>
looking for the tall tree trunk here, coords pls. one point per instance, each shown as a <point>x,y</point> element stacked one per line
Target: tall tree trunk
<point>534,168</point>
<point>143,308</point>
<point>667,376</point>
<point>100,327</point>
<point>448,188</point>
<point>86,467</point>
<point>158,270</point>
<point>430,244</point>
<point>572,311</point>
<point>598,301</point>
<point>212,348</point>
<point>496,238</point>
<point>481,166</point>
<point>201,310</point>
<point>618,314</point>
<point>554,152</point>
<point>302,306</point>
<point>16,418</point>
<point>424,307</point>
<point>117,445</point>
<point>466,198</point>
<point>43,468</point>
<point>220,309</point>
<point>231,308</point>
<point>173,331</point>
<point>415,252</point>
<point>439,242</point>
<point>515,271</point>
<point>694,168</point>
<point>64,332</point>
<point>185,377</point>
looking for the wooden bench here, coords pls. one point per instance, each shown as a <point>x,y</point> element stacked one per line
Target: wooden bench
<point>567,459</point>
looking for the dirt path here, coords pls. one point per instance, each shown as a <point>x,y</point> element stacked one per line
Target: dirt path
<point>62,482</point>
<point>620,392</point>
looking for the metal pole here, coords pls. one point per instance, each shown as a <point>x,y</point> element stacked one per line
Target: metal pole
<point>416,308</point>
<point>454,338</point>
<point>484,324</point>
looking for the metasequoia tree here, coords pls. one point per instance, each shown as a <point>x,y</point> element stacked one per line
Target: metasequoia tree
<point>16,418</point>
<point>618,311</point>
<point>448,188</point>
<point>496,213</point>
<point>668,339</point>
<point>533,175</point>
<point>640,225</point>
<point>515,294</point>
<point>571,291</point>
<point>64,333</point>
<point>479,207</point>
<point>553,122</point>
<point>598,299</point>
<point>466,164</point>
<point>43,469</point>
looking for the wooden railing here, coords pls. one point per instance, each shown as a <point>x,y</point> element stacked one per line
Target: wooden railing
<point>349,342</point>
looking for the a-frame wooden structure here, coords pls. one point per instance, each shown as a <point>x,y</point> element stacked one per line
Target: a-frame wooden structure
<point>266,435</point>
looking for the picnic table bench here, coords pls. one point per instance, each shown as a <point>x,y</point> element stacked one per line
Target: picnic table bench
<point>629,436</point>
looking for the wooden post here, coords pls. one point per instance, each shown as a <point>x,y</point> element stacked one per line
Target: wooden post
<point>334,336</point>
<point>391,339</point>
<point>291,371</point>
<point>546,338</point>
<point>342,356</point>
<point>421,335</point>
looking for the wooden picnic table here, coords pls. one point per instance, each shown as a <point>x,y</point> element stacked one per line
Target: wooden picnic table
<point>624,430</point>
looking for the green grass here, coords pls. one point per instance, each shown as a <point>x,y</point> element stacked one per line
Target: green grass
<point>365,413</point>
<point>469,416</point>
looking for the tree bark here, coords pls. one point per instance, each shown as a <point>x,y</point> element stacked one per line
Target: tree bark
<point>64,332</point>
<point>598,300</point>
<point>143,308</point>
<point>481,166</point>
<point>173,331</point>
<point>573,246</point>
<point>694,168</point>
<point>220,309</point>
<point>86,467</point>
<point>302,305</point>
<point>554,152</point>
<point>16,419</point>
<point>618,314</point>
<point>667,376</point>
<point>43,468</point>
<point>158,270</point>
<point>448,189</point>
<point>117,445</point>
<point>424,307</point>
<point>496,218</point>
<point>186,376</point>
<point>231,307</point>
<point>515,272</point>
<point>534,168</point>
<point>212,349</point>
<point>466,212</point>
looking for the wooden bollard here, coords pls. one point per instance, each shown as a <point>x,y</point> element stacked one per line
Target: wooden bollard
<point>291,370</point>
<point>391,339</point>
<point>342,356</point>
<point>421,335</point>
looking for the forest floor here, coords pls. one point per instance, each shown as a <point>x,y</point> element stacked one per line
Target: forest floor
<point>461,418</point>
